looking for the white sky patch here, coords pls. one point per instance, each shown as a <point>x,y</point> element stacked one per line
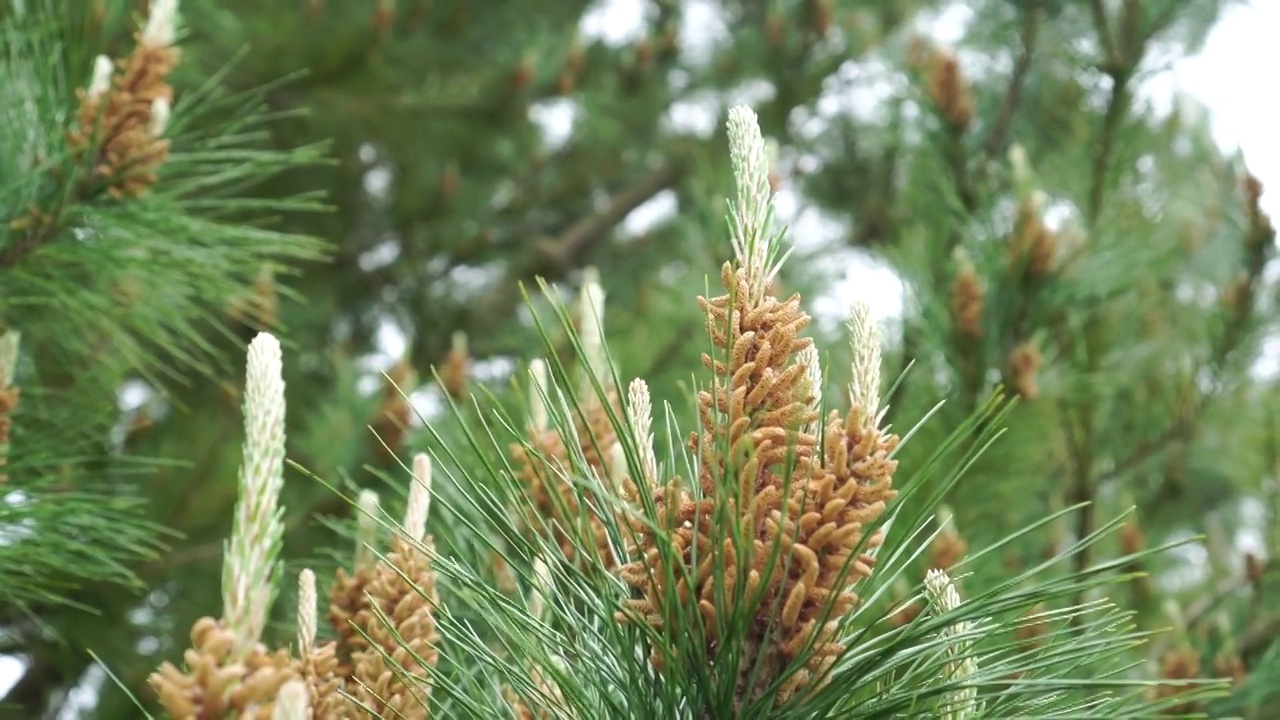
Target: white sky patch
<point>947,25</point>
<point>865,279</point>
<point>656,210</point>
<point>614,22</point>
<point>694,116</point>
<point>863,89</point>
<point>377,181</point>
<point>555,118</point>
<point>380,255</point>
<point>1227,76</point>
<point>703,31</point>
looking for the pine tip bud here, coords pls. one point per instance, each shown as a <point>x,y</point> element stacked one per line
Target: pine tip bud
<point>864,337</point>
<point>366,528</point>
<point>100,81</point>
<point>539,418</point>
<point>306,611</point>
<point>292,702</point>
<point>415,519</point>
<point>162,24</point>
<point>640,414</point>
<point>159,119</point>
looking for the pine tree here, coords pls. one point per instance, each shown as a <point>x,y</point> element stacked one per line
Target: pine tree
<point>1059,238</point>
<point>735,577</point>
<point>123,238</point>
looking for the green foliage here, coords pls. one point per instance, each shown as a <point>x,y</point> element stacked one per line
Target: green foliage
<point>598,665</point>
<point>105,289</point>
<point>450,193</point>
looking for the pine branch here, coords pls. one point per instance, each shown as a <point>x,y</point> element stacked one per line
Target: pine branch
<point>1103,27</point>
<point>1083,487</point>
<point>1259,636</point>
<point>1119,63</point>
<point>997,137</point>
<point>553,258</point>
<point>563,253</point>
<point>42,231</point>
<point>31,695</point>
<point>1180,430</point>
<point>1226,588</point>
<point>1117,106</point>
<point>1119,68</point>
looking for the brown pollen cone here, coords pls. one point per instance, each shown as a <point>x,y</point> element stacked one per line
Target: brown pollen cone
<point>557,502</point>
<point>775,29</point>
<point>522,76</point>
<point>1178,664</point>
<point>1024,364</point>
<point>346,601</point>
<point>1260,231</point>
<point>522,710</point>
<point>1031,628</point>
<point>1238,295</point>
<point>392,679</point>
<point>808,509</point>
<point>214,685</point>
<point>116,125</point>
<point>967,295</point>
<point>1254,569</point>
<point>947,549</point>
<point>905,614</point>
<point>1033,242</point>
<point>383,13</point>
<point>1229,665</point>
<point>848,493</point>
<point>821,14</point>
<point>453,371</point>
<point>8,403</point>
<point>323,675</point>
<point>394,415</point>
<point>949,89</point>
<point>1131,540</point>
<point>258,308</point>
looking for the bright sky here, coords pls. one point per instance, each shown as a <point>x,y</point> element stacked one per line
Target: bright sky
<point>1228,76</point>
<point>1245,111</point>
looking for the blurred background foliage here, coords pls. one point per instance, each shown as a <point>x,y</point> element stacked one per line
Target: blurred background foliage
<point>1018,209</point>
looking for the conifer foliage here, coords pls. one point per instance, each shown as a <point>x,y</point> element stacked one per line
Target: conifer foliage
<point>122,238</point>
<point>561,445</point>
<point>747,591</point>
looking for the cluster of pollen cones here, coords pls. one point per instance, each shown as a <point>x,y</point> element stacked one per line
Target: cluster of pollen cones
<point>801,490</point>
<point>760,551</point>
<point>377,665</point>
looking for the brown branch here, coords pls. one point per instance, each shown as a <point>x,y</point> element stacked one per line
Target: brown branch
<point>29,697</point>
<point>1183,428</point>
<point>1117,105</point>
<point>999,133</point>
<point>1083,487</point>
<point>1225,589</point>
<point>561,254</point>
<point>40,233</point>
<point>1103,26</point>
<point>1259,636</point>
<point>1118,63</point>
<point>556,257</point>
